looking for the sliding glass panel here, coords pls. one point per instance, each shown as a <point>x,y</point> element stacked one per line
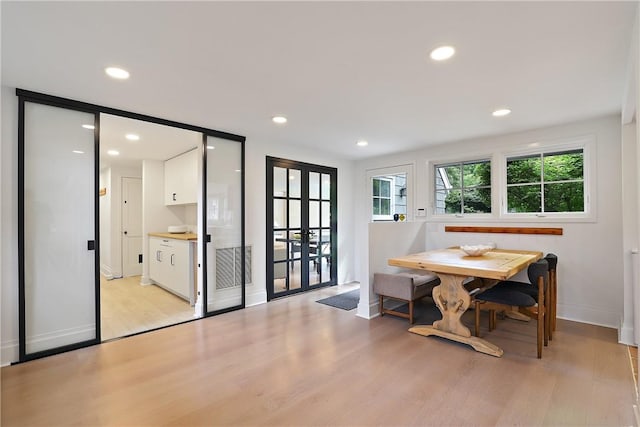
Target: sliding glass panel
<point>59,253</point>
<point>224,226</point>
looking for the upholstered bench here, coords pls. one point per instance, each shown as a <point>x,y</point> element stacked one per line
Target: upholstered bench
<point>405,287</point>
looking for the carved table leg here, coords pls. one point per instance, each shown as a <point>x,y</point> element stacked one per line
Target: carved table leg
<point>452,299</point>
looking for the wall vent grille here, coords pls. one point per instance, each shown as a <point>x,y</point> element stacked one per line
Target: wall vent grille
<point>229,267</point>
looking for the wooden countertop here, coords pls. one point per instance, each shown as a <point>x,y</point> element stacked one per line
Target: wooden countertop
<point>176,236</point>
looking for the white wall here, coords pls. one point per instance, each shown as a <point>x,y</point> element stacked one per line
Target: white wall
<point>9,227</point>
<point>630,227</point>
<point>386,240</point>
<point>256,175</point>
<point>590,253</point>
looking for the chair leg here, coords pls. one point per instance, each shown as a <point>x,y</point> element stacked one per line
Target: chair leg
<point>546,316</point>
<point>380,304</point>
<point>477,325</point>
<point>554,298</point>
<point>492,320</point>
<point>411,312</point>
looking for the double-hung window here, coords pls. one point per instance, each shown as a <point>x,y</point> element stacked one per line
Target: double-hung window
<point>546,182</point>
<point>463,187</point>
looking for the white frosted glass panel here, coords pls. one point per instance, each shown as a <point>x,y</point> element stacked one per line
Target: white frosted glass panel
<point>224,224</point>
<point>279,182</point>
<point>294,183</point>
<point>279,213</point>
<point>59,220</point>
<point>294,214</point>
<point>314,185</point>
<point>326,186</point>
<point>326,214</point>
<point>314,214</point>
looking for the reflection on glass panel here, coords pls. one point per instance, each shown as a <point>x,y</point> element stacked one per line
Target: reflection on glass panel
<point>563,166</point>
<point>314,214</point>
<point>279,182</point>
<point>223,223</point>
<point>524,169</point>
<point>326,186</point>
<point>294,183</point>
<point>279,213</point>
<point>451,176</point>
<point>564,197</point>
<point>295,244</point>
<point>448,202</point>
<point>477,200</point>
<point>279,246</point>
<point>326,214</point>
<point>59,201</point>
<point>475,174</point>
<point>314,271</point>
<point>294,213</point>
<point>314,185</point>
<point>524,198</point>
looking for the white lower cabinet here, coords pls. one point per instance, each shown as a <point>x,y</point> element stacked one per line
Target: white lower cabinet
<point>171,266</point>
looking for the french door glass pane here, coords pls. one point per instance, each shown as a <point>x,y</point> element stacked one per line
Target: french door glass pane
<point>314,185</point>
<point>294,214</point>
<point>314,214</point>
<point>59,221</point>
<point>279,213</point>
<point>294,183</point>
<point>224,224</point>
<point>326,186</point>
<point>279,182</point>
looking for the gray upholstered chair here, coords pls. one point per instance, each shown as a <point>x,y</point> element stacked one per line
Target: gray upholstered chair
<point>505,298</point>
<point>404,287</point>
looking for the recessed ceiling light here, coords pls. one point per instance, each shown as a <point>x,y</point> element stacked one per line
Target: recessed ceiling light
<point>89,127</point>
<point>132,137</point>
<point>362,143</point>
<point>502,112</point>
<point>210,147</point>
<point>279,119</point>
<point>113,152</point>
<point>443,52</point>
<point>117,73</point>
<point>78,152</point>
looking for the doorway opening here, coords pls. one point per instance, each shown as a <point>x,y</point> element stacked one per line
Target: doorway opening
<point>301,227</point>
<point>148,255</point>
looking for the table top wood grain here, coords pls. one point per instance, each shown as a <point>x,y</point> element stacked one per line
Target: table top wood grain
<point>499,264</point>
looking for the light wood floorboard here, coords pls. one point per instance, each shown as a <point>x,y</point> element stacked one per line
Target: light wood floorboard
<point>126,307</point>
<point>296,362</point>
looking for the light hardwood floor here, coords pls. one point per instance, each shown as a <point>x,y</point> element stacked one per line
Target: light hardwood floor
<point>296,362</point>
<point>127,308</point>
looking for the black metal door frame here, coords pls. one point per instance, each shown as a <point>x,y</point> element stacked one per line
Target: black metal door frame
<point>305,168</point>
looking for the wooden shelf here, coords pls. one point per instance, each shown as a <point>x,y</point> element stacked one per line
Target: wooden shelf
<point>504,230</point>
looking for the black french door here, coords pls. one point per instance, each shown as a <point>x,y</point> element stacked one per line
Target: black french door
<point>301,227</point>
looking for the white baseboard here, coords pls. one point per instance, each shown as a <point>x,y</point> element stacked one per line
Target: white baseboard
<point>626,335</point>
<point>589,315</point>
<point>146,281</point>
<point>256,298</point>
<point>368,312</point>
<point>9,352</point>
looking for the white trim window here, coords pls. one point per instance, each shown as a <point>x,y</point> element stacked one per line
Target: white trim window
<point>551,182</point>
<point>383,204</point>
<point>462,188</point>
<point>382,198</point>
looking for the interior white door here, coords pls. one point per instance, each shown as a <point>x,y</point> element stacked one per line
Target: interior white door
<point>131,226</point>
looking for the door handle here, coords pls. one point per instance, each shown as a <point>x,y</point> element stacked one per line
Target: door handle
<point>172,255</point>
<point>91,245</point>
<point>174,197</point>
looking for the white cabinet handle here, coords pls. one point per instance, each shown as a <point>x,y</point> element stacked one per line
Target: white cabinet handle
<point>172,255</point>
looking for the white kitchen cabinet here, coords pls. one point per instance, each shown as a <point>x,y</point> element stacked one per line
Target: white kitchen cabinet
<point>171,265</point>
<point>181,179</point>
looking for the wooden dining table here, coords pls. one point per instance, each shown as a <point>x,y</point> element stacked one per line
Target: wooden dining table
<point>454,267</point>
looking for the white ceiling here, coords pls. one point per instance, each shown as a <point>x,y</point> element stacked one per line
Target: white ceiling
<point>340,71</point>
